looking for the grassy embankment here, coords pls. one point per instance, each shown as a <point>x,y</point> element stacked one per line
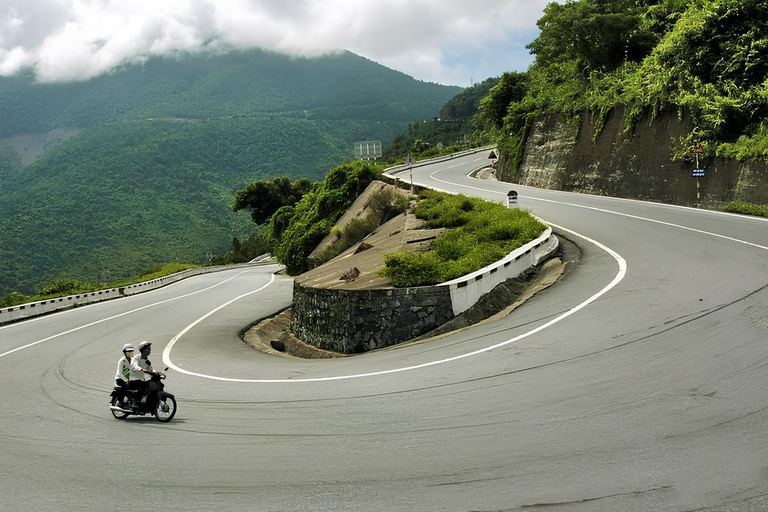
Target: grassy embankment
<point>481,233</point>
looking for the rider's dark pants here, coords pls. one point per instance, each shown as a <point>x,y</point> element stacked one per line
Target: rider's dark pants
<point>140,385</point>
<point>122,385</point>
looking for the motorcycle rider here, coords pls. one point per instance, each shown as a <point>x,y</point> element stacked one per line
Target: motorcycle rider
<point>140,367</point>
<point>124,369</point>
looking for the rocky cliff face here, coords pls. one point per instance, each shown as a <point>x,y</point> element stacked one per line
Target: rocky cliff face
<point>638,165</point>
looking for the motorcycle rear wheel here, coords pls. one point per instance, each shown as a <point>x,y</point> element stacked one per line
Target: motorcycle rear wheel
<point>165,410</point>
<point>117,414</point>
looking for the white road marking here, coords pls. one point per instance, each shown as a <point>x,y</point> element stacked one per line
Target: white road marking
<point>664,223</point>
<point>116,316</point>
<point>616,280</point>
<point>670,224</point>
<point>167,352</point>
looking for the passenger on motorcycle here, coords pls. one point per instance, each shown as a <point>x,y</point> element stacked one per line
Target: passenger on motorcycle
<point>140,367</point>
<point>124,368</point>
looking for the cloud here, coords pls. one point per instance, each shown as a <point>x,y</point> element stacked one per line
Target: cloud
<point>444,41</point>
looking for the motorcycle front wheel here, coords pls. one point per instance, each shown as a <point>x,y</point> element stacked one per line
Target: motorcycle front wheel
<point>165,409</point>
<point>117,414</point>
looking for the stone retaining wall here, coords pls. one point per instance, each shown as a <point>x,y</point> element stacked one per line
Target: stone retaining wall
<point>351,321</point>
<point>637,165</point>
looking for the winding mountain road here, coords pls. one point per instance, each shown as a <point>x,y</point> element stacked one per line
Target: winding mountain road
<point>638,382</point>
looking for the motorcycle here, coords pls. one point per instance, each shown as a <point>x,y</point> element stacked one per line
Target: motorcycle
<point>124,402</point>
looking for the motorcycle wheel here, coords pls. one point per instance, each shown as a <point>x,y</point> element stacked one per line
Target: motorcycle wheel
<point>117,414</point>
<point>165,410</point>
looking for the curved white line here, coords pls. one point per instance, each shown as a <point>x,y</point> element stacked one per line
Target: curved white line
<point>116,316</point>
<point>670,224</point>
<point>167,351</point>
<point>616,280</point>
<point>664,223</point>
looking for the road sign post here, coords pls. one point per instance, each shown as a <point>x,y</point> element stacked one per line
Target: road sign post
<point>698,172</point>
<point>410,161</point>
<point>512,199</point>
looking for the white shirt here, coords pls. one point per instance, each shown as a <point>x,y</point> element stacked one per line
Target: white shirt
<point>123,369</point>
<point>139,363</point>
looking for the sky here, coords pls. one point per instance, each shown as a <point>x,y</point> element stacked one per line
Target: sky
<point>452,42</point>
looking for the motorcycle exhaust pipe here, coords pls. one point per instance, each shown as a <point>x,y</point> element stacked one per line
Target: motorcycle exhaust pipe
<point>119,409</point>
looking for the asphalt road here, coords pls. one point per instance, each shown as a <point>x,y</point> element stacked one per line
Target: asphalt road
<point>636,383</point>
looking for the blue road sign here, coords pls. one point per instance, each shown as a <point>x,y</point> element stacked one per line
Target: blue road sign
<point>698,172</point>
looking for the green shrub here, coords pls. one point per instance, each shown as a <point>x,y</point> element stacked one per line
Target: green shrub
<point>296,231</point>
<point>13,299</point>
<point>445,210</point>
<point>407,268</point>
<point>484,232</point>
<point>63,287</point>
<point>746,208</point>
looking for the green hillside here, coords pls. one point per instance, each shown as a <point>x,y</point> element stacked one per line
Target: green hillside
<point>456,126</point>
<point>705,60</point>
<point>161,149</point>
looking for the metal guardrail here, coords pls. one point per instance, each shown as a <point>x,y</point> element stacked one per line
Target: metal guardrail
<point>392,172</point>
<point>42,307</point>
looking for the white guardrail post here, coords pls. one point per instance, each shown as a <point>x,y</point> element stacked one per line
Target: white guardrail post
<point>43,307</point>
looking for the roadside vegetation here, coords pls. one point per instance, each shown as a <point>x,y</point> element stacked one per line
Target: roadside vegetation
<point>481,233</point>
<point>456,128</point>
<point>66,287</point>
<point>706,60</point>
<point>298,215</point>
<point>757,210</point>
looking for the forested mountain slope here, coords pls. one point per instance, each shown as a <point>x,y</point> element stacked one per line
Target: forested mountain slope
<point>704,60</point>
<point>156,152</point>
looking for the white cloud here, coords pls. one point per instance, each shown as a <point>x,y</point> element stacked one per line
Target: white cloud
<point>445,41</point>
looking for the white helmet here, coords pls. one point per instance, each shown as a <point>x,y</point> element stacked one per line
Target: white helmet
<point>127,347</point>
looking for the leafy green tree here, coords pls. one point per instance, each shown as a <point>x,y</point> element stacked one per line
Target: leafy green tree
<point>466,104</point>
<point>295,231</point>
<point>597,34</point>
<point>264,198</point>
<point>511,88</point>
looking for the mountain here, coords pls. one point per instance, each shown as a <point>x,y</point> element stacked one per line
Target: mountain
<point>140,166</point>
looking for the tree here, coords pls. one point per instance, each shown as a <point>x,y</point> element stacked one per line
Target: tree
<point>512,88</point>
<point>598,34</point>
<point>264,198</point>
